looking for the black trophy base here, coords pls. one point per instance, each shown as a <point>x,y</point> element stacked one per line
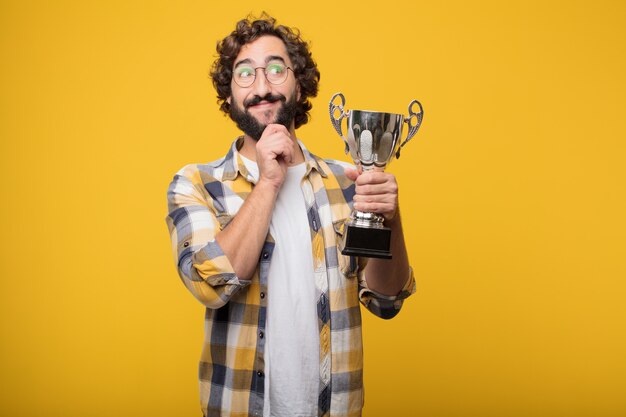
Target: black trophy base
<point>367,242</point>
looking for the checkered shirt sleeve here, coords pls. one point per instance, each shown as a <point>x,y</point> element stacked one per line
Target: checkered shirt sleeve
<point>193,222</point>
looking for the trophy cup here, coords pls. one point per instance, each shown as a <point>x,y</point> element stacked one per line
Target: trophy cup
<point>373,139</point>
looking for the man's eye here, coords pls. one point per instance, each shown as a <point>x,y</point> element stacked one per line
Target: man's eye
<point>245,72</point>
<point>275,69</point>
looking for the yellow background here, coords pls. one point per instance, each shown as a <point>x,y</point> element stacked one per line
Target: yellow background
<point>513,197</point>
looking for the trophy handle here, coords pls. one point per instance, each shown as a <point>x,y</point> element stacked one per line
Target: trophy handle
<point>413,125</point>
<point>336,121</point>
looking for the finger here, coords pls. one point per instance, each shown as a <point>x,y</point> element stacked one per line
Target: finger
<point>376,207</point>
<point>376,189</point>
<point>351,173</point>
<point>282,150</point>
<point>273,130</point>
<point>374,177</point>
<point>386,209</point>
<point>375,198</point>
<point>288,152</point>
<point>273,140</point>
<point>280,137</point>
<point>276,128</point>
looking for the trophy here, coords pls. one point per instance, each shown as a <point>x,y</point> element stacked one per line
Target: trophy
<point>373,139</point>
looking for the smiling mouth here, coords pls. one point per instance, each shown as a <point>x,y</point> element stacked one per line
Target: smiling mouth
<point>263,105</point>
<point>265,101</point>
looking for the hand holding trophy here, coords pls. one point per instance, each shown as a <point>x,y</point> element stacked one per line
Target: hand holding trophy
<point>372,141</point>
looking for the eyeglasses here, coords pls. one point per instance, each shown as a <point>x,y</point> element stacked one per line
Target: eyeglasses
<point>275,73</point>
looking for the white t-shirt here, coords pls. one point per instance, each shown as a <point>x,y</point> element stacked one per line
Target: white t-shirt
<point>291,330</point>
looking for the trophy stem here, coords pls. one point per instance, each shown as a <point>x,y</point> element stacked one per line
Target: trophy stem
<point>365,219</point>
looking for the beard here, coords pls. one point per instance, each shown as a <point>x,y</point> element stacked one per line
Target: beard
<point>251,126</point>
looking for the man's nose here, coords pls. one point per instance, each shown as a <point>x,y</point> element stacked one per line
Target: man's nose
<point>261,86</point>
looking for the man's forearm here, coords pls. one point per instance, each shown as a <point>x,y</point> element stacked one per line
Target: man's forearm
<point>243,238</point>
<point>388,276</point>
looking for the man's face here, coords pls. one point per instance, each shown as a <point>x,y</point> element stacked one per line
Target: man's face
<point>263,103</point>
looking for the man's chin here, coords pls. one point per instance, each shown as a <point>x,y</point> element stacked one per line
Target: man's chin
<point>263,116</point>
<point>253,121</point>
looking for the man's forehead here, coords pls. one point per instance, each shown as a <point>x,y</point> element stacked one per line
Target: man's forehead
<point>263,50</point>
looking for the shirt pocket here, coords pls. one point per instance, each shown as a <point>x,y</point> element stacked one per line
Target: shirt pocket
<point>348,265</point>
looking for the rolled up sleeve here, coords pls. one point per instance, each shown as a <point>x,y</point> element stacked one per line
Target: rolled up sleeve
<point>193,224</point>
<point>385,306</point>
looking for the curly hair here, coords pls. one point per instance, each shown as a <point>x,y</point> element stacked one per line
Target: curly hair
<point>248,30</point>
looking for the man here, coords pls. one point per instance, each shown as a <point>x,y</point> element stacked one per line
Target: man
<point>255,236</point>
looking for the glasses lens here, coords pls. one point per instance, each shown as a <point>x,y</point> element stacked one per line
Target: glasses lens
<point>244,76</point>
<point>276,73</point>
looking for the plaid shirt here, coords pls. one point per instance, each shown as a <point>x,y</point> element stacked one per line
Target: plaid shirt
<point>202,200</point>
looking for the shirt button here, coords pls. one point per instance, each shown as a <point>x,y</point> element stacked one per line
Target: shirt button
<point>266,255</point>
<point>261,335</point>
<point>186,244</point>
<point>262,295</point>
<point>260,374</point>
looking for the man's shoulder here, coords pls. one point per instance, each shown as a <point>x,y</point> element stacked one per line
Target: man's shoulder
<point>202,171</point>
<point>214,170</point>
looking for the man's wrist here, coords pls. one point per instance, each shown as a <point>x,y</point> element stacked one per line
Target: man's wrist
<point>268,186</point>
<point>394,221</point>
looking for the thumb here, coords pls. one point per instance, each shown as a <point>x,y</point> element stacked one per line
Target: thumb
<point>351,173</point>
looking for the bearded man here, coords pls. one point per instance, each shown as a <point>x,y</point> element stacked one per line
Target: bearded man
<point>255,237</point>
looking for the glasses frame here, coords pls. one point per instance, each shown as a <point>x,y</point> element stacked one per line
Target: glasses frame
<point>265,74</point>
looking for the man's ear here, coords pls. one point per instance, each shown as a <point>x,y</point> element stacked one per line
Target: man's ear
<point>298,92</point>
<point>228,100</point>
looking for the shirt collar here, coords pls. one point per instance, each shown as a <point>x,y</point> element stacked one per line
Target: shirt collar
<point>233,164</point>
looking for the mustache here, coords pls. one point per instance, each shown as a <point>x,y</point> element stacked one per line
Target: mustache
<point>269,97</point>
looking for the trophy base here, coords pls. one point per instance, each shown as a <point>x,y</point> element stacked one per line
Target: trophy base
<point>366,242</point>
